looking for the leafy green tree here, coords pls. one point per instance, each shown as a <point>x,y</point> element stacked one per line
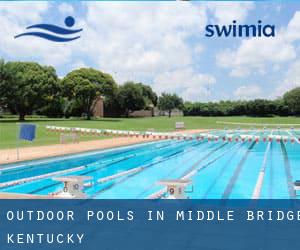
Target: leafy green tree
<point>84,85</point>
<point>55,108</point>
<point>167,102</point>
<point>131,98</point>
<point>26,86</point>
<point>258,107</point>
<point>149,95</point>
<point>3,83</point>
<point>281,107</point>
<point>292,100</point>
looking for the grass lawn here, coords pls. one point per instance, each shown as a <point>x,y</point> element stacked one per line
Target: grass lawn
<point>9,127</point>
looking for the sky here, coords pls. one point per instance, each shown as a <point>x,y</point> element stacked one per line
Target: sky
<point>163,44</point>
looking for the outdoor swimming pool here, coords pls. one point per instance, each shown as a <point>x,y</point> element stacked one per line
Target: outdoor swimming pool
<point>218,169</point>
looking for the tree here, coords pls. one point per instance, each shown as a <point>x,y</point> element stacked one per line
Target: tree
<point>26,86</point>
<point>167,102</point>
<point>149,94</point>
<point>281,107</point>
<point>292,100</point>
<point>260,107</point>
<point>131,98</point>
<point>84,85</point>
<point>3,83</point>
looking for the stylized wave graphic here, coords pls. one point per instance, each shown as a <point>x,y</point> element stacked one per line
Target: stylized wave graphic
<point>48,36</point>
<point>55,29</point>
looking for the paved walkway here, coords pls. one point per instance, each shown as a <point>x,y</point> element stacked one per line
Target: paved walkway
<point>31,153</point>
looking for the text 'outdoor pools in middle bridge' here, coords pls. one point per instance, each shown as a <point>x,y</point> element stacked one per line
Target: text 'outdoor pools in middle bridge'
<point>151,215</point>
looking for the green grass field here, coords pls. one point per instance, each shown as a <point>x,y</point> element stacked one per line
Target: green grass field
<point>9,127</point>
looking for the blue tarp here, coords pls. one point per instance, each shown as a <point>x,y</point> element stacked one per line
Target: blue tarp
<point>27,132</point>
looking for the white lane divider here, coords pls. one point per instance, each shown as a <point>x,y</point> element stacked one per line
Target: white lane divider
<point>161,192</point>
<point>34,178</point>
<point>293,136</point>
<point>115,176</point>
<point>261,175</point>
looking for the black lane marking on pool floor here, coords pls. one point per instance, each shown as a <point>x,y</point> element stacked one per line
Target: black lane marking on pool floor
<point>127,158</point>
<point>173,170</point>
<point>194,166</point>
<point>236,173</point>
<point>145,167</point>
<point>288,173</point>
<point>222,171</point>
<point>45,187</point>
<point>85,173</point>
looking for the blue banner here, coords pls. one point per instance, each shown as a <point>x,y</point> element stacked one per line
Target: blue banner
<point>27,132</point>
<point>149,224</point>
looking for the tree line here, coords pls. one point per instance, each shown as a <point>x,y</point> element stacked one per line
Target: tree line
<point>30,88</point>
<point>289,104</point>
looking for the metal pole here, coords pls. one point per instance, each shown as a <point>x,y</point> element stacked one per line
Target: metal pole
<point>17,138</point>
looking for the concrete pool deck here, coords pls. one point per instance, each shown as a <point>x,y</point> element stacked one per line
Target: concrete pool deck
<point>31,153</point>
<point>24,196</point>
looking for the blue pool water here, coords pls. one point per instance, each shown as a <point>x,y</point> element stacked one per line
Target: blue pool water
<point>221,169</point>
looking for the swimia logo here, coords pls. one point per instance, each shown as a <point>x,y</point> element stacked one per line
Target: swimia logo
<point>56,33</point>
<point>240,30</point>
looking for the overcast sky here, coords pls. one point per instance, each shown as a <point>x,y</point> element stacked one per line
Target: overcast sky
<point>163,44</point>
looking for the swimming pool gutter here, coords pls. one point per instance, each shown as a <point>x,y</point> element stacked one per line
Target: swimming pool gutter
<point>16,165</point>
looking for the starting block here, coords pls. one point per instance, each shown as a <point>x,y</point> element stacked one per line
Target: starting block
<point>73,186</point>
<point>296,186</point>
<point>176,188</point>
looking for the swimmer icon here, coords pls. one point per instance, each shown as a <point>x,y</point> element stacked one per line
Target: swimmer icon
<point>57,33</point>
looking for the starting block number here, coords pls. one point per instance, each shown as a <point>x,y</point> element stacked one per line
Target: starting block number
<point>74,187</point>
